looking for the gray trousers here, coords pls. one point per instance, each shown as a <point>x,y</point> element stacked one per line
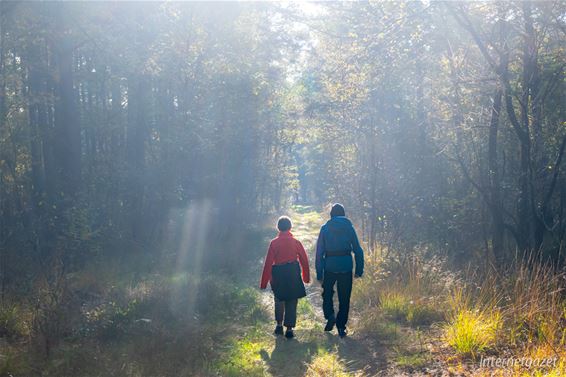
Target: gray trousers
<point>287,309</point>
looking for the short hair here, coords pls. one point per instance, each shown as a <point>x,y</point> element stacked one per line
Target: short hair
<point>337,210</point>
<point>284,224</point>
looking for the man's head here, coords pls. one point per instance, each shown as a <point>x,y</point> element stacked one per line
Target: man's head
<point>284,224</point>
<point>337,210</point>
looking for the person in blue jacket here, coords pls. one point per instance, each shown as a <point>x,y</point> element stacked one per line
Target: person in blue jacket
<point>337,241</point>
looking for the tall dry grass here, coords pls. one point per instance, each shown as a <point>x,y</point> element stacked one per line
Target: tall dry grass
<point>519,308</point>
<point>534,303</point>
<point>410,289</point>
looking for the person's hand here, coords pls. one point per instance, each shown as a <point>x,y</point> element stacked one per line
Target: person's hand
<point>319,281</point>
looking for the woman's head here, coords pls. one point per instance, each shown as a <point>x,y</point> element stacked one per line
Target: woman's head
<point>337,210</point>
<point>284,224</point>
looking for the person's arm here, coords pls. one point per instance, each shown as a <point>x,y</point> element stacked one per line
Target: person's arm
<point>319,262</point>
<point>304,261</point>
<point>266,275</point>
<point>358,253</point>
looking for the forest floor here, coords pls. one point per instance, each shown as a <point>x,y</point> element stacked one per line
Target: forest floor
<point>164,314</point>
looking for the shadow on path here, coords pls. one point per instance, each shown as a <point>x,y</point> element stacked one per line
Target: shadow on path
<point>359,355</point>
<point>289,357</point>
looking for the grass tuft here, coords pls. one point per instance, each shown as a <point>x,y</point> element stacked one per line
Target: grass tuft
<point>471,332</point>
<point>394,304</point>
<point>326,364</point>
<point>411,360</point>
<point>372,323</point>
<point>244,357</point>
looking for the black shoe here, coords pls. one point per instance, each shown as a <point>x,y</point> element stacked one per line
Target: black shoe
<point>342,332</point>
<point>278,330</point>
<point>289,334</point>
<point>329,324</point>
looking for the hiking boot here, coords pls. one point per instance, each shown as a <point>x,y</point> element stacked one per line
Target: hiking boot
<point>329,324</point>
<point>289,334</point>
<point>342,332</point>
<point>278,330</point>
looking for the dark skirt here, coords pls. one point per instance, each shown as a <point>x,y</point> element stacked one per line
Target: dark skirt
<point>286,281</point>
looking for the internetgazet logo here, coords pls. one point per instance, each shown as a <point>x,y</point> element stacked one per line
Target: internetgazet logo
<point>523,362</point>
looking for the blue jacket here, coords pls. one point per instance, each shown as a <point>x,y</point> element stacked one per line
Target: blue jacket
<point>338,236</point>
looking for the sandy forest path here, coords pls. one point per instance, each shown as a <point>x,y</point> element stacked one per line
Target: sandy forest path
<point>314,352</point>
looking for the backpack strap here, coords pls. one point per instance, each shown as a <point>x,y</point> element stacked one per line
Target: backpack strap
<point>337,253</point>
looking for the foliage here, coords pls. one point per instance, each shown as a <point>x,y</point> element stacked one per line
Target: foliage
<point>14,321</point>
<point>421,132</point>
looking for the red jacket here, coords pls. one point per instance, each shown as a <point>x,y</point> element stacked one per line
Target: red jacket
<point>283,249</point>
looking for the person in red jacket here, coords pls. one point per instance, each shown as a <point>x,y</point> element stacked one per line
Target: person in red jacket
<point>286,258</point>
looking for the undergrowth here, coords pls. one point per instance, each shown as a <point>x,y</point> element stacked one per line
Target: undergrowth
<point>518,310</point>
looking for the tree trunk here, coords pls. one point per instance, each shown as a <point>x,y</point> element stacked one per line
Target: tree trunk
<point>67,138</point>
<point>138,88</point>
<point>497,236</point>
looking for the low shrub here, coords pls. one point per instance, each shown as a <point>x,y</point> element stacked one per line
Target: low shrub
<point>394,304</point>
<point>13,362</point>
<point>14,321</point>
<point>422,314</point>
